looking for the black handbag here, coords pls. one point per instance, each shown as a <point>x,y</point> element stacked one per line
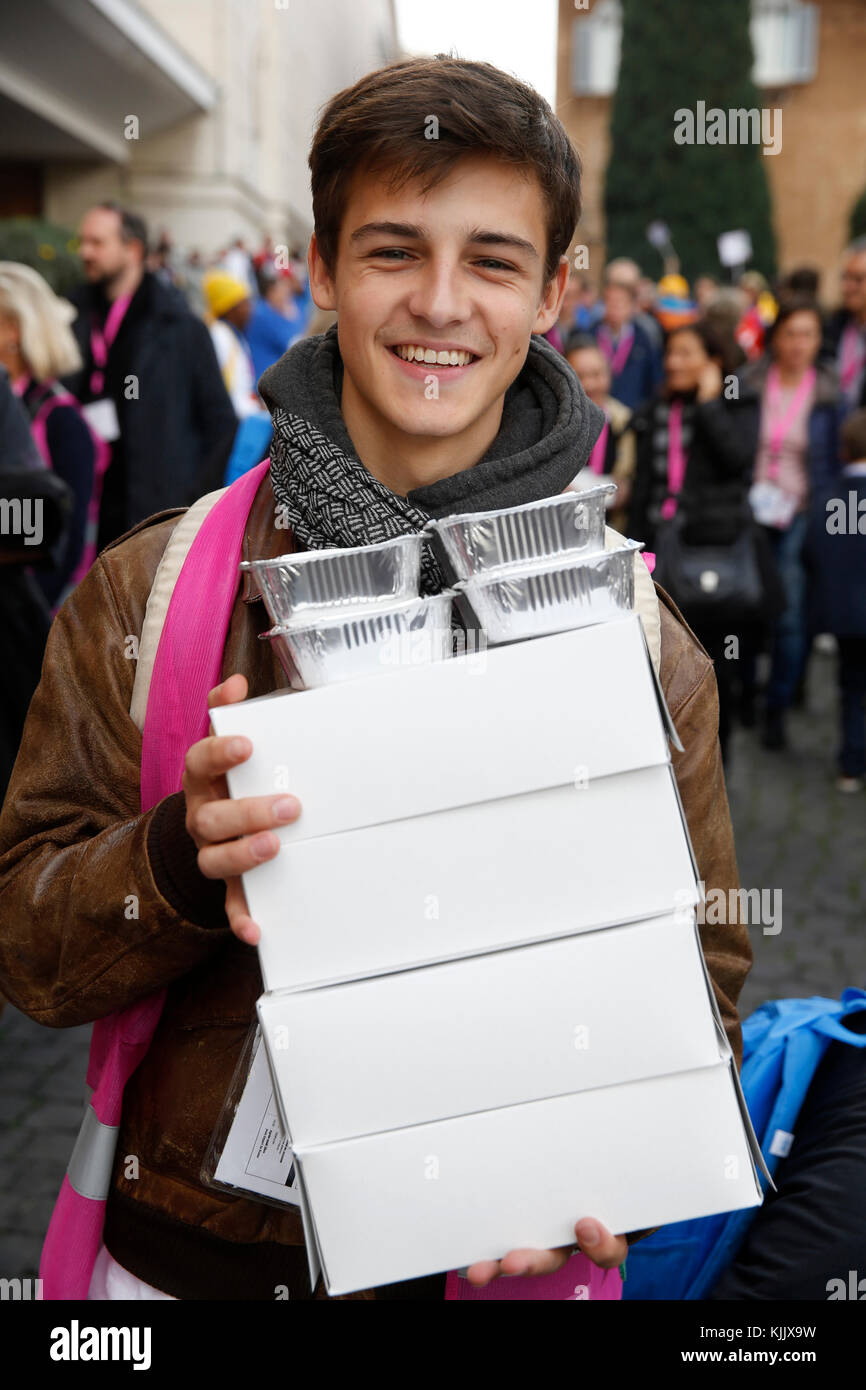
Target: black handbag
<point>715,582</point>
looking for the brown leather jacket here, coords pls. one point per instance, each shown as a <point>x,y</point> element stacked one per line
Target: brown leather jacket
<point>75,849</point>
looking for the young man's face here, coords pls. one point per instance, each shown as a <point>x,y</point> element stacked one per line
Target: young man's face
<point>457,273</point>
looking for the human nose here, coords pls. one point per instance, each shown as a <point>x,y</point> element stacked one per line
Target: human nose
<point>438,296</point>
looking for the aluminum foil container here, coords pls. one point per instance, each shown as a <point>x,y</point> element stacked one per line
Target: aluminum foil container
<point>534,600</point>
<point>342,646</point>
<point>477,543</point>
<point>315,582</point>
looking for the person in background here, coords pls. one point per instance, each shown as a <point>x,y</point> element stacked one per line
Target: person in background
<point>688,461</point>
<point>804,282</point>
<point>623,271</point>
<point>589,307</point>
<point>674,306</point>
<point>722,314</point>
<point>24,615</point>
<point>237,262</point>
<point>846,329</point>
<point>635,363</point>
<point>648,310</point>
<point>759,314</point>
<point>270,331</point>
<point>149,380</point>
<point>612,456</point>
<point>786,415</point>
<point>566,324</point>
<point>36,348</point>
<point>230,308</point>
<point>836,552</point>
<point>229,312</point>
<point>706,289</point>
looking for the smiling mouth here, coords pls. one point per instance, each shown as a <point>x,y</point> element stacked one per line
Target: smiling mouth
<point>433,357</point>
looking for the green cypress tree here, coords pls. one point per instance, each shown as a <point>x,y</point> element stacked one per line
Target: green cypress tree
<point>673,56</point>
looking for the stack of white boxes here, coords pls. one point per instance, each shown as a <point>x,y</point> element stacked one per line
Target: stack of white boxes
<point>487,1012</point>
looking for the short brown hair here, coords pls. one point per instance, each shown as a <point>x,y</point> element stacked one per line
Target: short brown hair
<point>380,124</point>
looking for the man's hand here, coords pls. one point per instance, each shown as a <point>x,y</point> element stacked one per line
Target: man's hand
<point>595,1241</point>
<point>232,836</point>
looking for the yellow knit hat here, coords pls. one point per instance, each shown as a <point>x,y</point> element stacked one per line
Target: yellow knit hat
<point>223,291</point>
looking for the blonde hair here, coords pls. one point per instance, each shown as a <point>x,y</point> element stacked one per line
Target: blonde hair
<point>48,345</point>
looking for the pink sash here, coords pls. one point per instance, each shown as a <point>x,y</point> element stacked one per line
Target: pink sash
<point>676,459</point>
<point>101,459</point>
<point>599,450</point>
<point>188,665</point>
<point>780,422</point>
<point>102,338</point>
<point>618,358</point>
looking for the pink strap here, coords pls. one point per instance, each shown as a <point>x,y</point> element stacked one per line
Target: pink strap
<point>676,459</point>
<point>618,358</point>
<point>187,666</point>
<point>102,338</point>
<point>189,659</point>
<point>781,422</point>
<point>599,450</point>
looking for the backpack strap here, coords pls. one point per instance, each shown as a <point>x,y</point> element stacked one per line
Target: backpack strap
<point>166,576</point>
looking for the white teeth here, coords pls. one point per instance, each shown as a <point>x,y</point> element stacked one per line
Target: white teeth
<point>446,358</point>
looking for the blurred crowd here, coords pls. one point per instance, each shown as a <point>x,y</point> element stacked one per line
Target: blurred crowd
<point>735,432</point>
<point>736,436</point>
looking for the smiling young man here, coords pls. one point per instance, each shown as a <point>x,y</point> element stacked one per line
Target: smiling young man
<point>441,246</point>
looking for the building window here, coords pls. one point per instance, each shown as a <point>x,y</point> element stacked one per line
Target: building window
<point>595,45</point>
<point>784,37</point>
<point>785,40</point>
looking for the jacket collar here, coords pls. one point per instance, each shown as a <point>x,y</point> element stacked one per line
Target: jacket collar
<point>263,538</point>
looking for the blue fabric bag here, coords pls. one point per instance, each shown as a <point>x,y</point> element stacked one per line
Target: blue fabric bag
<point>251,444</point>
<point>783,1042</point>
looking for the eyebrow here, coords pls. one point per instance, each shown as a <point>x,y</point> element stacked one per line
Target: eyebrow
<point>409,231</point>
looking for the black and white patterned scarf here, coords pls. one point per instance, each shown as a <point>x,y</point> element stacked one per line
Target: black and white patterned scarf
<point>327,497</point>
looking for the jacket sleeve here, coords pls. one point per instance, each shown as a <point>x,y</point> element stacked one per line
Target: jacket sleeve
<point>730,436</point>
<point>212,411</point>
<point>85,928</point>
<point>700,779</point>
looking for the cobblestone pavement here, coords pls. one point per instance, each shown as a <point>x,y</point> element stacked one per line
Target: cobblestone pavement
<point>794,831</point>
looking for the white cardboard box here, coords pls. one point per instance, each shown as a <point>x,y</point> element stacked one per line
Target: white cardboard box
<point>426,1198</point>
<point>532,758</point>
<point>495,1030</point>
<point>498,822</point>
<point>471,879</point>
<point>417,739</point>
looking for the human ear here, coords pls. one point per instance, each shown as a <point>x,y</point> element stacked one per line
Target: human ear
<point>548,309</point>
<point>322,286</point>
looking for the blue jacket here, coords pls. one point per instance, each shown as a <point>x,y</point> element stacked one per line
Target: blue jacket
<point>836,554</point>
<point>642,374</point>
<point>269,334</point>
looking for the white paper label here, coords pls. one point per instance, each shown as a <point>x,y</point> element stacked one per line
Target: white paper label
<point>771,506</point>
<point>780,1144</point>
<point>257,1156</point>
<point>101,416</point>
